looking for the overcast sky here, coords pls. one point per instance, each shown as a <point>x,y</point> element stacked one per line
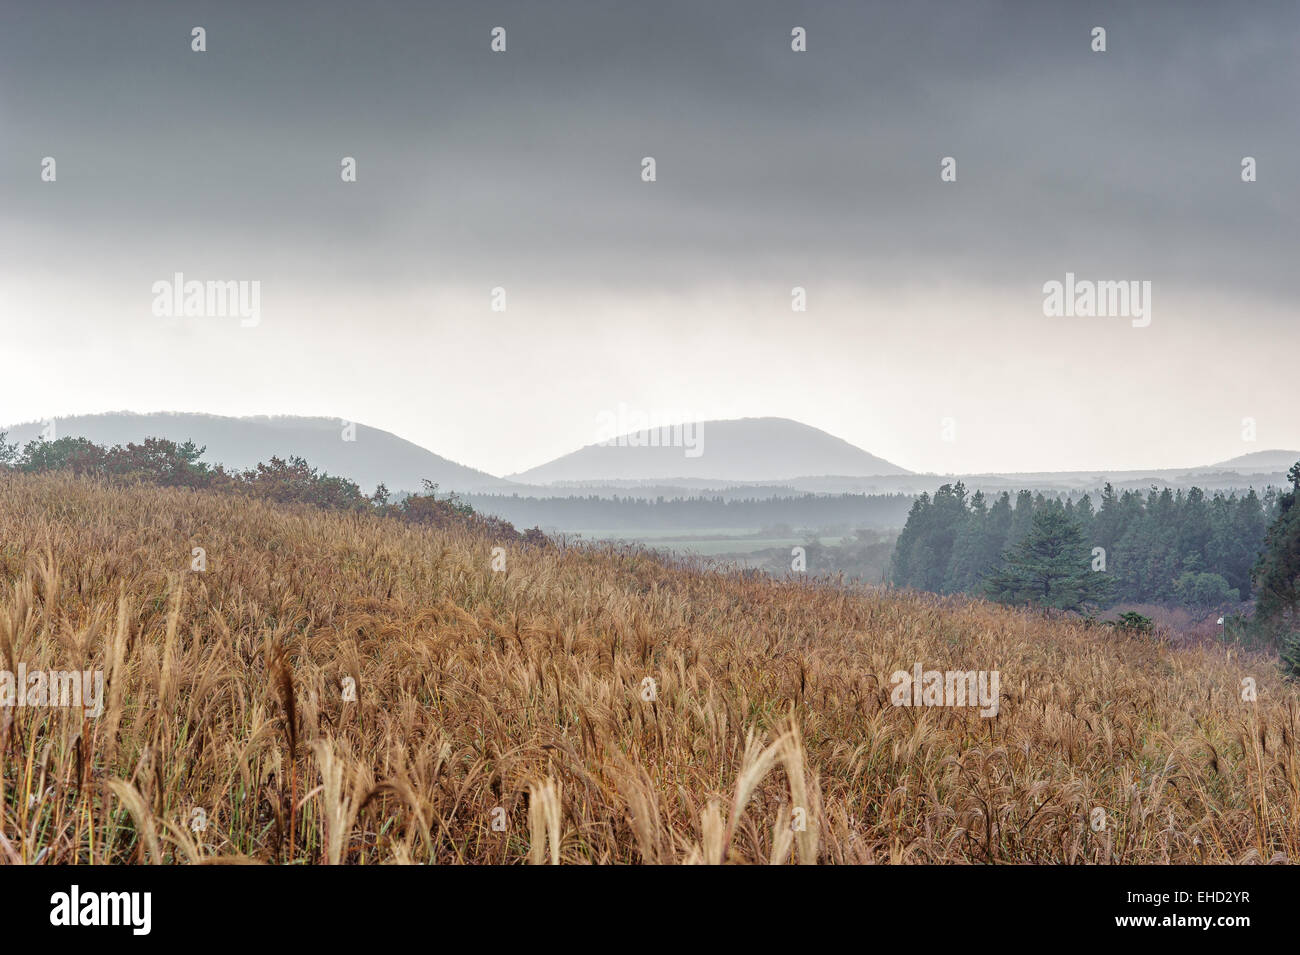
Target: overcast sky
<point>774,169</point>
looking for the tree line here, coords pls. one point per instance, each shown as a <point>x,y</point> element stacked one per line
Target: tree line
<point>1169,547</point>
<point>629,513</point>
<point>164,463</point>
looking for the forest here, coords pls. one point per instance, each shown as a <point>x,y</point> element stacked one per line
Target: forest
<point>1170,547</point>
<point>629,513</point>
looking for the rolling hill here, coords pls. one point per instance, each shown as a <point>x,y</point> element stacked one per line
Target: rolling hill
<point>1261,461</point>
<point>745,449</point>
<point>374,457</point>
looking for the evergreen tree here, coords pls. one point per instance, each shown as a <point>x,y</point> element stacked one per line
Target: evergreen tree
<point>1051,567</point>
<point>1127,559</point>
<point>1000,518</point>
<point>970,548</point>
<point>944,520</point>
<point>1021,518</point>
<point>1193,533</point>
<point>1277,573</point>
<point>901,570</point>
<point>1107,527</point>
<point>1220,543</point>
<point>1161,547</point>
<point>1250,523</point>
<point>1163,559</point>
<point>1084,516</point>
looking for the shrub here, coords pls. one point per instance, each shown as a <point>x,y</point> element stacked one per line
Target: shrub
<point>1132,622</point>
<point>165,463</point>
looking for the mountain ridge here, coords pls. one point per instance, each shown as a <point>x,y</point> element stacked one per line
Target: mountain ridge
<point>752,449</point>
<point>1271,459</point>
<point>789,452</point>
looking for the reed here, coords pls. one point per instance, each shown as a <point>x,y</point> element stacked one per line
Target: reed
<point>351,688</point>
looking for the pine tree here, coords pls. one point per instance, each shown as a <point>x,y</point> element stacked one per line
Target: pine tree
<point>966,562</point>
<point>1218,548</point>
<point>1107,529</point>
<point>946,516</point>
<point>1250,524</point>
<point>1193,530</point>
<point>902,571</point>
<point>1277,573</point>
<point>1000,518</point>
<point>1084,516</point>
<point>1051,567</point>
<point>1128,560</point>
<point>1021,518</point>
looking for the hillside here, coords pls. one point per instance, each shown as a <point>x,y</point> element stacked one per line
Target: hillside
<point>374,457</point>
<point>347,688</point>
<point>745,449</point>
<point>1261,461</point>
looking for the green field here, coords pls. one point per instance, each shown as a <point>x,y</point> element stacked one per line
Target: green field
<point>708,542</point>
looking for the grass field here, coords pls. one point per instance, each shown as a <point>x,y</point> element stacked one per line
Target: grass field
<point>351,689</point>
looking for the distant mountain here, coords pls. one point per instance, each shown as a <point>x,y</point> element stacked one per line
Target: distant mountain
<point>1261,462</point>
<point>747,449</point>
<point>374,457</point>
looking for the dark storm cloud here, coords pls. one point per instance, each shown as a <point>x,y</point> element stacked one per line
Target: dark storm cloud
<point>474,165</point>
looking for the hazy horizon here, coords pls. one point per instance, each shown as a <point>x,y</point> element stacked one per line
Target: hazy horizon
<point>28,432</point>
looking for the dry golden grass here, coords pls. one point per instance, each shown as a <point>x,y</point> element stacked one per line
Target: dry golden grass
<point>522,690</point>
